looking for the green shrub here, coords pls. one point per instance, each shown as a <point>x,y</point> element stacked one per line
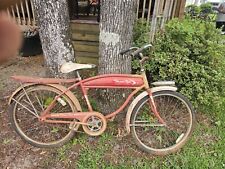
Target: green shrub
<point>191,53</point>
<point>192,10</point>
<point>141,32</point>
<point>206,8</point>
<point>203,12</point>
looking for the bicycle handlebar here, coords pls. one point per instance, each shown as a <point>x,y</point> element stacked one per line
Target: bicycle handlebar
<point>137,51</point>
<point>127,50</point>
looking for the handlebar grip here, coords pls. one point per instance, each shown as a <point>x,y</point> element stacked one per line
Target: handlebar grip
<point>128,50</point>
<point>135,53</point>
<point>124,51</point>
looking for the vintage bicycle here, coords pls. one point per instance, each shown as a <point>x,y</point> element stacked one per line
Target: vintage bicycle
<point>46,114</point>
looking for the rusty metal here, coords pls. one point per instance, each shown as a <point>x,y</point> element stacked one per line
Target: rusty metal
<point>114,81</point>
<point>38,80</point>
<point>34,113</point>
<point>93,128</point>
<point>141,96</point>
<point>61,88</point>
<point>63,122</point>
<point>17,91</point>
<point>72,115</point>
<point>30,101</point>
<point>111,115</point>
<point>153,107</point>
<point>109,81</point>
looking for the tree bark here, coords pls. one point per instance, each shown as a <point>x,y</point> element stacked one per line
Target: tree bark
<point>116,29</point>
<point>54,29</point>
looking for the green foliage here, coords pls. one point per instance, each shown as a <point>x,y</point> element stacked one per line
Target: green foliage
<point>141,33</point>
<point>203,12</point>
<point>191,52</point>
<point>192,10</point>
<point>205,149</point>
<point>206,8</point>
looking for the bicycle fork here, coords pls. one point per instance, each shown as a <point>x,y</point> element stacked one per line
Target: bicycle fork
<point>154,108</point>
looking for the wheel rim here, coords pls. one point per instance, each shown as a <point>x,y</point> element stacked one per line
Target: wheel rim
<point>154,136</point>
<point>28,124</point>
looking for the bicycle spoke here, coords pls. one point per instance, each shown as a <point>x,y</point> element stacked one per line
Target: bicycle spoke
<point>30,101</point>
<point>153,136</point>
<point>40,133</point>
<point>33,113</point>
<point>39,102</point>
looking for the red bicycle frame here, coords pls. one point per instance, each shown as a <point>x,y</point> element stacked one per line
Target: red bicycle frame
<point>109,81</point>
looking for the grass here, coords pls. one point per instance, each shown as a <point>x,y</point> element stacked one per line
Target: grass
<point>205,149</point>
<point>7,141</point>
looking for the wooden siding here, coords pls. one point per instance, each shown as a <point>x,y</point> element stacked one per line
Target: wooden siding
<point>23,14</point>
<point>85,36</point>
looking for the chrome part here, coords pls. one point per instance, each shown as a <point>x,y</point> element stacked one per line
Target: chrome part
<point>164,83</point>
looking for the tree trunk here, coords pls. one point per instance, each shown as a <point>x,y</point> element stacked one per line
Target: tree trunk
<point>116,29</point>
<point>54,30</point>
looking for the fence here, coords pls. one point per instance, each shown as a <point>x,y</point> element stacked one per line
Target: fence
<point>23,14</point>
<point>157,12</point>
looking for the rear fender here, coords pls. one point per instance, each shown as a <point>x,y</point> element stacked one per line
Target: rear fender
<point>18,90</point>
<point>56,86</point>
<point>141,96</point>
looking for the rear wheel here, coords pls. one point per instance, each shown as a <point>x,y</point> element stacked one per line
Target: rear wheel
<point>153,137</point>
<point>25,112</point>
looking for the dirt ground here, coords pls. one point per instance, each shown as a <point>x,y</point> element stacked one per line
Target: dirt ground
<point>14,153</point>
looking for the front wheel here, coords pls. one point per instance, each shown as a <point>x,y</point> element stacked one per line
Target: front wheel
<point>152,136</point>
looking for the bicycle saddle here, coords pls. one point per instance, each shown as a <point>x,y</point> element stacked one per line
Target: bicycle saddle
<point>70,66</point>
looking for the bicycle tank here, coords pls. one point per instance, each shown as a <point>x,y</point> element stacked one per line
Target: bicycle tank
<point>114,81</point>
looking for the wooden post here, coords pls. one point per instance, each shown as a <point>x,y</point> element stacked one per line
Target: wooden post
<point>162,6</point>
<point>174,8</point>
<point>23,13</point>
<point>13,13</point>
<point>165,12</point>
<point>149,10</point>
<point>180,9</point>
<point>170,9</point>
<point>154,20</point>
<point>28,12</point>
<point>18,15</point>
<point>138,4</point>
<point>33,14</point>
<point>143,10</point>
<point>8,3</point>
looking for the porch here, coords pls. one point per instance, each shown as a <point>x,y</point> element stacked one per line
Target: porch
<point>85,21</point>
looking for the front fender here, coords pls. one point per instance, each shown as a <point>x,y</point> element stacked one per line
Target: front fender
<point>139,97</point>
<point>57,86</point>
